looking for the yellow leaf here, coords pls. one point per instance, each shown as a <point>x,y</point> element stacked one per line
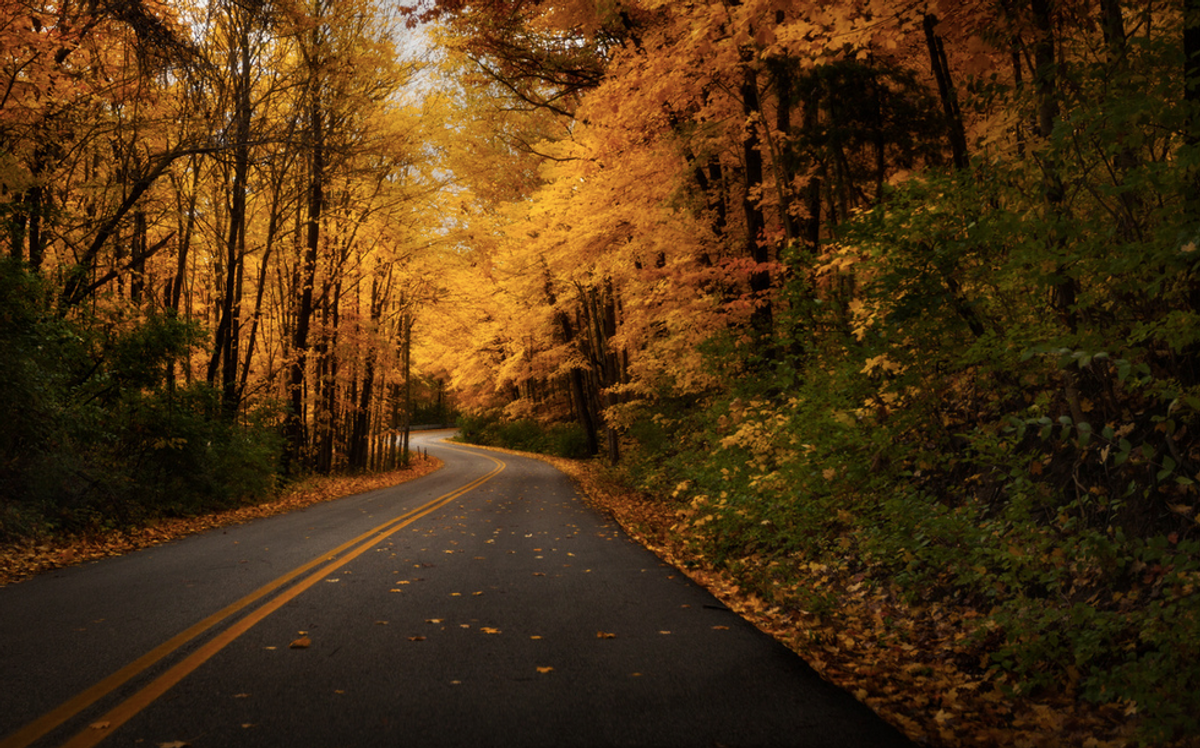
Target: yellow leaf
<point>302,643</point>
<point>544,668</point>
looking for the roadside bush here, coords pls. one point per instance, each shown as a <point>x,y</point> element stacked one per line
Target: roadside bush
<point>98,435</point>
<point>523,435</point>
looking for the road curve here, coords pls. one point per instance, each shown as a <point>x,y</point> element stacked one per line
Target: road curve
<point>481,605</point>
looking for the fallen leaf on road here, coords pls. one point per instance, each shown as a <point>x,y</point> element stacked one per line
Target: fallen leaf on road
<point>664,632</point>
<point>605,635</point>
<point>544,669</point>
<point>720,628</point>
<point>241,696</point>
<point>416,638</point>
<point>381,623</point>
<point>100,725</point>
<point>434,620</point>
<point>174,744</point>
<point>302,643</point>
<point>489,630</point>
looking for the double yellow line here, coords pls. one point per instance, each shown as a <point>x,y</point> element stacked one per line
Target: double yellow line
<point>123,712</point>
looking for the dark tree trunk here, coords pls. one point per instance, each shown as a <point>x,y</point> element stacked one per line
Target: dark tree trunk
<point>756,247</point>
<point>946,92</point>
<point>296,430</point>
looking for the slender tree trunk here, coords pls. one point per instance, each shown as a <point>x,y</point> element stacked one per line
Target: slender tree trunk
<point>1126,159</point>
<point>1065,288</point>
<point>327,416</point>
<point>225,356</point>
<point>360,431</point>
<point>37,209</point>
<point>175,292</point>
<point>812,225</point>
<point>579,393</point>
<point>756,247</point>
<point>788,165</point>
<point>308,268</point>
<point>406,365</point>
<point>137,264</point>
<point>946,92</point>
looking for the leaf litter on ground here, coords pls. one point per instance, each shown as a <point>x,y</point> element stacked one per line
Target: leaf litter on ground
<point>22,559</point>
<point>916,665</point>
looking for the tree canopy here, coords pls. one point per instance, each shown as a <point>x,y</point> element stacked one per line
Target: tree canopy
<point>907,289</point>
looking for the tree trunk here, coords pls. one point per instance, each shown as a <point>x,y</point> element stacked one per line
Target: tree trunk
<point>296,429</point>
<point>175,289</point>
<point>756,248</point>
<point>225,357</point>
<point>946,92</point>
<point>406,364</point>
<point>1065,289</point>
<point>36,197</point>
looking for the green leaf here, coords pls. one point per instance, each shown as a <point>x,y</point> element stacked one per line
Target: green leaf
<point>1168,467</point>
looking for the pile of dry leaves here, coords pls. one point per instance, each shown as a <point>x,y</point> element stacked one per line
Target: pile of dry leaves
<point>24,559</point>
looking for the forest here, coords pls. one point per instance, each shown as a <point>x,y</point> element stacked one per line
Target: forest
<point>892,302</point>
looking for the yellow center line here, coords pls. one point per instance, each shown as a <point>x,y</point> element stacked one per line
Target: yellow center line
<point>124,711</point>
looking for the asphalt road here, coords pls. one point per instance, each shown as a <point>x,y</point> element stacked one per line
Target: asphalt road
<point>482,605</point>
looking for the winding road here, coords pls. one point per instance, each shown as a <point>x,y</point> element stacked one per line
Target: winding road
<point>481,605</point>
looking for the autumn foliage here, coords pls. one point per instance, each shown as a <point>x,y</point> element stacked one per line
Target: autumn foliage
<point>892,305</point>
<point>211,215</point>
<point>898,293</point>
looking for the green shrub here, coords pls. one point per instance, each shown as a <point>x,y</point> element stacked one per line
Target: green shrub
<point>523,435</point>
